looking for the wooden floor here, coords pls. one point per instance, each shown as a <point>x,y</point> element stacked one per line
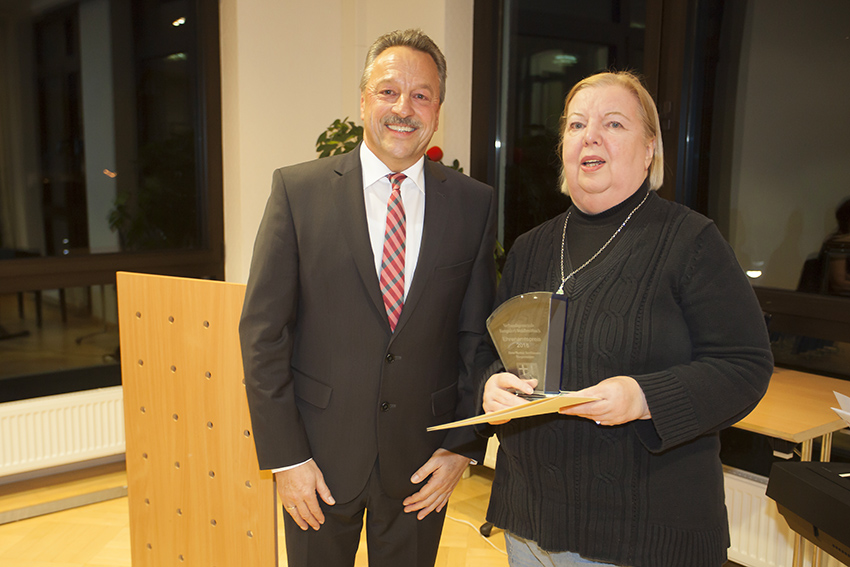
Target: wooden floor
<point>99,534</point>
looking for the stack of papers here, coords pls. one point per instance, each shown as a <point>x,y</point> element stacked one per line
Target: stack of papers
<point>844,402</point>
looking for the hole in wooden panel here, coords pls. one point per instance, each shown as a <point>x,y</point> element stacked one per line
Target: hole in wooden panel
<point>138,315</point>
<point>180,557</point>
<point>208,375</point>
<point>170,319</point>
<point>177,465</point>
<point>247,433</point>
<point>142,409</point>
<point>248,483</point>
<point>213,522</point>
<point>179,511</point>
<point>149,546</point>
<point>209,425</point>
<point>206,324</point>
<point>212,474</point>
<point>141,362</point>
<point>144,455</point>
<point>148,501</point>
<point>250,533</point>
<point>173,368</point>
<point>175,417</point>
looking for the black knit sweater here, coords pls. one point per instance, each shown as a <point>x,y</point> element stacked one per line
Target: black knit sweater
<point>667,304</point>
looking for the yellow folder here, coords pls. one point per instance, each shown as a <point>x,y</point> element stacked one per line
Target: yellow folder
<point>548,404</point>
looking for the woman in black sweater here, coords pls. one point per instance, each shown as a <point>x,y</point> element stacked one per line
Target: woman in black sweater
<point>662,326</point>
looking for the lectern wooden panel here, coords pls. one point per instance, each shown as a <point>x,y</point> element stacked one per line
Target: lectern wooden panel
<point>196,494</point>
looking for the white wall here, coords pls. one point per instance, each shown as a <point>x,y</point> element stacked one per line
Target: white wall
<point>791,134</point>
<point>289,68</point>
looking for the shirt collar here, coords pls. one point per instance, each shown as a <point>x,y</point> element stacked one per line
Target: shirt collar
<point>374,169</point>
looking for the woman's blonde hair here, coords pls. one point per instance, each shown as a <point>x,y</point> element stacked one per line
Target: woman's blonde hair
<point>648,115</point>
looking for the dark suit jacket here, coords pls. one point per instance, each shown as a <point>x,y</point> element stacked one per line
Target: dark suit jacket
<point>325,377</point>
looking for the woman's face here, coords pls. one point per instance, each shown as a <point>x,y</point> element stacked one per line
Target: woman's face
<point>606,157</point>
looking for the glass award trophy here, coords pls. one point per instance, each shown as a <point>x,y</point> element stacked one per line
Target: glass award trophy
<point>528,331</point>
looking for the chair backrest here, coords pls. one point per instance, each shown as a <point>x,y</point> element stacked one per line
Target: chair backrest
<point>813,276</point>
<point>196,493</point>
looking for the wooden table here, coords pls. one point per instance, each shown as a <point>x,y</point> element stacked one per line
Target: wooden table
<point>796,408</point>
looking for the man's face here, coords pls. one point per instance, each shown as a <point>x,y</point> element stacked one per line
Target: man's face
<point>400,106</point>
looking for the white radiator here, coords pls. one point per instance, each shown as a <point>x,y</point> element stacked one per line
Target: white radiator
<point>760,536</point>
<point>59,430</point>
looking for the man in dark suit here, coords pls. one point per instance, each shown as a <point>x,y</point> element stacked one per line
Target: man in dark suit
<point>367,299</point>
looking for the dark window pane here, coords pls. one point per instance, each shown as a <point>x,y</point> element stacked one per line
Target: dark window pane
<point>57,341</point>
<point>637,14</point>
<point>597,10</point>
<point>546,71</point>
<point>106,102</point>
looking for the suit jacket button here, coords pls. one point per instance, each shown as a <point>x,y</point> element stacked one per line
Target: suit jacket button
<point>385,406</point>
<point>390,358</point>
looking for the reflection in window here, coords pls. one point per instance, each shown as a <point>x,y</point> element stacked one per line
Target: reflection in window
<point>776,192</point>
<point>98,131</point>
<point>821,356</point>
<point>67,337</point>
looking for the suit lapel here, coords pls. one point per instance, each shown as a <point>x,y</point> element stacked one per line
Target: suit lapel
<point>433,232</point>
<point>351,210</point>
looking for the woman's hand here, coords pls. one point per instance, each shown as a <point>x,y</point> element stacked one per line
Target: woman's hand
<point>500,392</point>
<point>621,400</point>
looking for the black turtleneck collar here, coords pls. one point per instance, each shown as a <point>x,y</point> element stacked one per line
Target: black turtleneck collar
<point>588,233</point>
<point>620,210</point>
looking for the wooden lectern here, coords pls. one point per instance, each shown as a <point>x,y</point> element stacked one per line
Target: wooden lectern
<point>196,494</point>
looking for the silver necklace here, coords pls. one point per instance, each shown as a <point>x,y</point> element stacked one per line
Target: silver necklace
<point>598,252</point>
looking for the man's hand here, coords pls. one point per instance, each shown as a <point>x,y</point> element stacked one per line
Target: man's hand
<point>445,469</point>
<point>621,400</point>
<point>297,488</point>
<point>500,393</point>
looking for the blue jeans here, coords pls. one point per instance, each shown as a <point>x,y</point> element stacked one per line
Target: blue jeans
<point>526,553</point>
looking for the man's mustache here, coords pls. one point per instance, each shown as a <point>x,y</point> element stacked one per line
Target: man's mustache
<point>400,121</point>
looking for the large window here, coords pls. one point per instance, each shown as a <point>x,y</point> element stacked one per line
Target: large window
<point>777,183</point>
<point>110,159</point>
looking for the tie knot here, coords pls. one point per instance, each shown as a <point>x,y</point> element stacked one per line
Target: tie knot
<point>396,179</point>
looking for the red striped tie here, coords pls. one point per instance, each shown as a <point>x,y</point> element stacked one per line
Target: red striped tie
<point>392,263</point>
